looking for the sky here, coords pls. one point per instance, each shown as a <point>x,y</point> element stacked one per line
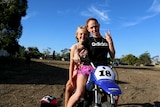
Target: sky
<point>134,24</point>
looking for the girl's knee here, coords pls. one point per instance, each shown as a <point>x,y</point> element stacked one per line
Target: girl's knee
<point>69,87</point>
<point>78,95</point>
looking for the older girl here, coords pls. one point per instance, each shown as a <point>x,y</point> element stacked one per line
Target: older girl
<point>78,73</point>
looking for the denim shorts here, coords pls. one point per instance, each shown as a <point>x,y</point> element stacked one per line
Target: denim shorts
<point>85,70</point>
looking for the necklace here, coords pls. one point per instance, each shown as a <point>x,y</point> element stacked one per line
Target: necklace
<point>98,39</point>
<point>94,39</point>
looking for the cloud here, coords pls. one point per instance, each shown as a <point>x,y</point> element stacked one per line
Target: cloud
<point>25,18</point>
<point>154,10</point>
<point>86,13</point>
<point>147,17</point>
<point>30,15</point>
<point>130,24</point>
<point>102,14</point>
<point>155,7</point>
<point>139,20</point>
<point>99,13</point>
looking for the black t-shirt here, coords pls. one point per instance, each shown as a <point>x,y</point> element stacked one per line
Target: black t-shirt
<point>97,50</point>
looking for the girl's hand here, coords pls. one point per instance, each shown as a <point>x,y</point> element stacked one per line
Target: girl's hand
<point>71,82</point>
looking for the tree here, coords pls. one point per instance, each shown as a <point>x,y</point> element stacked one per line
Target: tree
<point>129,59</point>
<point>46,52</point>
<point>145,58</point>
<point>22,51</point>
<point>58,56</point>
<point>11,12</point>
<point>35,52</point>
<point>65,53</point>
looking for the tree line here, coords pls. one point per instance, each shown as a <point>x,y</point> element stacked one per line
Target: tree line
<point>129,59</point>
<point>46,54</point>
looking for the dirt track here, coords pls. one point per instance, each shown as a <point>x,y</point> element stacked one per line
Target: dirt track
<point>25,87</point>
<point>140,86</point>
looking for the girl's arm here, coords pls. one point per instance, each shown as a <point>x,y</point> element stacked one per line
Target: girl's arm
<point>71,65</point>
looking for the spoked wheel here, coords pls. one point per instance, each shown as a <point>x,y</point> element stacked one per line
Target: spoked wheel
<point>105,101</point>
<point>82,103</point>
<point>107,104</point>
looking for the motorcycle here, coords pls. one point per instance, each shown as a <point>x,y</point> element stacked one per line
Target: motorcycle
<point>101,88</point>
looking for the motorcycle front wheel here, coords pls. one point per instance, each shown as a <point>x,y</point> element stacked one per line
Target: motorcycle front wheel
<point>107,104</point>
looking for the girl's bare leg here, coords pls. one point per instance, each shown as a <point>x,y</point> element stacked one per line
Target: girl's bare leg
<point>68,92</point>
<point>79,91</point>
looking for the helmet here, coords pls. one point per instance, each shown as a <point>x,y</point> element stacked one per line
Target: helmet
<point>49,101</point>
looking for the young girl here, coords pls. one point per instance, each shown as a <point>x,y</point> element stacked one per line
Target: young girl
<point>78,72</point>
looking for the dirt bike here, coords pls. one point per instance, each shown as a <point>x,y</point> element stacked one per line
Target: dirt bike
<point>100,88</point>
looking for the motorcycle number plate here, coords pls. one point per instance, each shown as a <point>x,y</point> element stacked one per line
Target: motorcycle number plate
<point>104,72</point>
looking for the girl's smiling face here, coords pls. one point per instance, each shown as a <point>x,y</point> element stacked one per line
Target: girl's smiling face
<point>82,34</point>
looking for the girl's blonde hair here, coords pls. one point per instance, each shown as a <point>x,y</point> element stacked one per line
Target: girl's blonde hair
<point>81,27</point>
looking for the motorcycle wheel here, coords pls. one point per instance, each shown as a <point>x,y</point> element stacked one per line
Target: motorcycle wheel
<point>107,104</point>
<point>82,103</point>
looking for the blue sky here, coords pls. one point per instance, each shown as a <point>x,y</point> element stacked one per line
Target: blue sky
<point>134,24</point>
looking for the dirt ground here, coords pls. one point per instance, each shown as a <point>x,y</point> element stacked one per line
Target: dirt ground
<point>21,86</point>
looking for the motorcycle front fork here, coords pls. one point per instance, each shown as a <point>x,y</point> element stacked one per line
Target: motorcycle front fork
<point>96,96</point>
<point>112,100</point>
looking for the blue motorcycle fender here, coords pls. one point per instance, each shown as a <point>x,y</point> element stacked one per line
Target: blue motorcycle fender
<point>90,82</point>
<point>109,86</point>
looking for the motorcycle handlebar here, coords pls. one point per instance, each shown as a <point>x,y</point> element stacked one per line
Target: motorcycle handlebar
<point>93,65</point>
